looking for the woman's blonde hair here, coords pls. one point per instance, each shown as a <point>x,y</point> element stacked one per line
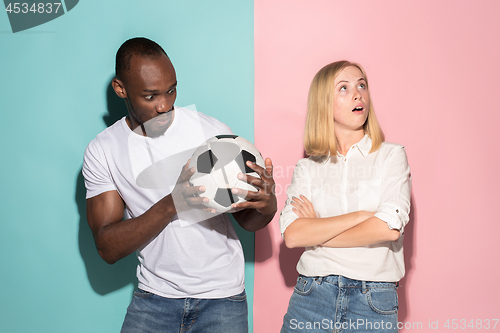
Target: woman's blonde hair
<point>320,140</point>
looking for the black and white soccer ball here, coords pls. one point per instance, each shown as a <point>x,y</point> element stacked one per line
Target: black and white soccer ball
<point>218,162</point>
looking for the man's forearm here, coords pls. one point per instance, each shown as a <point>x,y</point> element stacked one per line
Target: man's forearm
<point>252,219</point>
<point>117,240</point>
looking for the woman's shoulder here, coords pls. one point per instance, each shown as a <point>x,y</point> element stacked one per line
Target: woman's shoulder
<point>312,162</point>
<point>391,150</point>
<point>391,146</point>
<point>303,162</point>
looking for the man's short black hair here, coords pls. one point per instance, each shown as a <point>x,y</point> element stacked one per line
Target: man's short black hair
<point>138,46</point>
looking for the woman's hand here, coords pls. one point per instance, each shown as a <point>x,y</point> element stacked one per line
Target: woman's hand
<point>303,207</point>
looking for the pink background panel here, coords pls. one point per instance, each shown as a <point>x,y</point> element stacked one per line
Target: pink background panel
<point>434,74</point>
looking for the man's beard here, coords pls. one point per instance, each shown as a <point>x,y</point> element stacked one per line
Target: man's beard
<point>154,127</point>
<point>157,126</point>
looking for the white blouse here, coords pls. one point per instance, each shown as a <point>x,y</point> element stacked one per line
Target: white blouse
<point>378,182</point>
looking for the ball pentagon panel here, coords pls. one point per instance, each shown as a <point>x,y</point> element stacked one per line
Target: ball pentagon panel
<point>218,162</point>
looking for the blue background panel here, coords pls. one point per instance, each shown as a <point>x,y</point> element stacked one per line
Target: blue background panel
<point>55,98</point>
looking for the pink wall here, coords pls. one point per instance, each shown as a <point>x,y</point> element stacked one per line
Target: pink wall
<point>434,71</point>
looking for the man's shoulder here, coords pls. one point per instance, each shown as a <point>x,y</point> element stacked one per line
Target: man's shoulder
<point>204,120</point>
<point>116,129</point>
<point>109,135</point>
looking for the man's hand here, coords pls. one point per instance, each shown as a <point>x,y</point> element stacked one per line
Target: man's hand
<point>260,207</point>
<point>186,196</point>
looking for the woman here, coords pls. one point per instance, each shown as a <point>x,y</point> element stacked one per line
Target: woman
<point>347,205</point>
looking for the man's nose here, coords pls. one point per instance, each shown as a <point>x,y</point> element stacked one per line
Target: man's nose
<point>162,105</point>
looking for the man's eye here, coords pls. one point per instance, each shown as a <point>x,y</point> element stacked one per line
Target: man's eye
<point>149,97</point>
<point>171,91</point>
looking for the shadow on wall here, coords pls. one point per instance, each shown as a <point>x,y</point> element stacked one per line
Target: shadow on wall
<point>116,106</point>
<point>265,249</point>
<point>288,259</point>
<point>247,240</point>
<point>103,278</point>
<point>409,244</point>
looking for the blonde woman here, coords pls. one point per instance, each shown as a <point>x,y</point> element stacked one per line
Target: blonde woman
<point>347,205</point>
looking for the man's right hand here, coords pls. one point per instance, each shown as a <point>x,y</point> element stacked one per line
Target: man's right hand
<point>187,197</point>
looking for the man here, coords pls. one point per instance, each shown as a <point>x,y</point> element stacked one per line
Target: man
<point>191,273</point>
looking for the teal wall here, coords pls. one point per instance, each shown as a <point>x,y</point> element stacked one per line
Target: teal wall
<point>55,98</point>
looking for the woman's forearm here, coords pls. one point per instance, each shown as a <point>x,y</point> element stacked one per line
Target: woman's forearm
<point>369,232</point>
<point>305,232</point>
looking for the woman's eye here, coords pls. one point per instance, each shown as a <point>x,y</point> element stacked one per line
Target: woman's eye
<point>362,86</point>
<point>343,88</point>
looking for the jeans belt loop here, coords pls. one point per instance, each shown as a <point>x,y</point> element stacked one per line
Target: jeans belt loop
<point>363,287</point>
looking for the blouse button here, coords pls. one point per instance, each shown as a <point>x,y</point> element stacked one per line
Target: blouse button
<point>397,211</point>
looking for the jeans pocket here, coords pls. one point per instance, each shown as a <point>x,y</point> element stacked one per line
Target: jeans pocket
<point>238,298</point>
<point>383,300</point>
<point>304,285</point>
<point>142,293</point>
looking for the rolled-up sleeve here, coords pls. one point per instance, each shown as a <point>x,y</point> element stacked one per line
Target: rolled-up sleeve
<point>394,206</point>
<point>300,185</point>
<point>96,174</point>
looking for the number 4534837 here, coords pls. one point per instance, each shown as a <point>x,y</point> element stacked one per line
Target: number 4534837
<point>478,324</point>
<point>40,8</point>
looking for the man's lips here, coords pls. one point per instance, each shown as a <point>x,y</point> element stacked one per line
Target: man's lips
<point>163,118</point>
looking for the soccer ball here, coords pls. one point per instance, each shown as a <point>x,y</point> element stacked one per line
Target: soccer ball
<point>218,162</point>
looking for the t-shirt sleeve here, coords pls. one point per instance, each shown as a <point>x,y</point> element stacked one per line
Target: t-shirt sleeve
<point>223,129</point>
<point>96,171</point>
<point>212,126</point>
<point>394,207</point>
<point>300,185</point>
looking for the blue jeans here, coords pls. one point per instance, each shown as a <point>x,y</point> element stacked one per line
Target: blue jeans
<point>337,304</point>
<point>152,313</point>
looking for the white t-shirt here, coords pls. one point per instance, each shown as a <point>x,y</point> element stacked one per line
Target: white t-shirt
<point>377,182</point>
<point>200,260</point>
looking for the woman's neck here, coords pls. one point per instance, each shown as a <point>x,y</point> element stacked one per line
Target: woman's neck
<point>345,139</point>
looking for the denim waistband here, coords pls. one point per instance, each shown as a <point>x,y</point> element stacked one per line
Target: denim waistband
<point>343,281</point>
